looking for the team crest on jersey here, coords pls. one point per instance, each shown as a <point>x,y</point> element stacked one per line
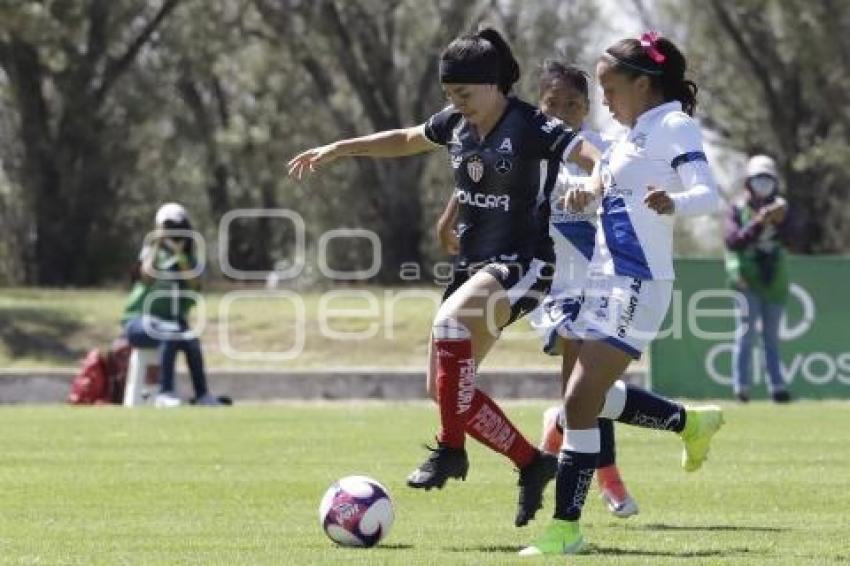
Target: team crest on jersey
<point>506,147</point>
<point>550,125</point>
<point>504,166</point>
<point>639,140</point>
<point>475,168</point>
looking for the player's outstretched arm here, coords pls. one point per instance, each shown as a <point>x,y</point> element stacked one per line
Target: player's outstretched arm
<point>389,143</point>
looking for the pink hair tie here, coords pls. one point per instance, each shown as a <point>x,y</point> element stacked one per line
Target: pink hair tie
<point>649,42</point>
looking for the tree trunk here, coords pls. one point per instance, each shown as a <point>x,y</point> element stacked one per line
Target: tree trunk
<point>399,214</point>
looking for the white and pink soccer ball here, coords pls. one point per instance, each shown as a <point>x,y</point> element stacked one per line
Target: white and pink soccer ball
<point>356,511</point>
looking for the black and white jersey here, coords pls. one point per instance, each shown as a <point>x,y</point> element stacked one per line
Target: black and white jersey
<point>504,214</point>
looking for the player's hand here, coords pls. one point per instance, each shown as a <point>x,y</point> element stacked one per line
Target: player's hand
<point>449,242</point>
<point>659,201</point>
<point>310,160</point>
<point>578,198</point>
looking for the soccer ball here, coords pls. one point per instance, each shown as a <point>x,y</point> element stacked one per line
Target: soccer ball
<point>356,511</point>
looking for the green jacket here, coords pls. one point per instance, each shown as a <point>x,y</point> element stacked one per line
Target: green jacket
<point>160,298</point>
<point>755,254</point>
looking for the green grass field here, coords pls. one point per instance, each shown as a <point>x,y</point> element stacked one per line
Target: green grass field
<point>55,328</point>
<point>103,485</point>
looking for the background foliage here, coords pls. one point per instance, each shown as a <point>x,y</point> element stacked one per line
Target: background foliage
<point>110,107</point>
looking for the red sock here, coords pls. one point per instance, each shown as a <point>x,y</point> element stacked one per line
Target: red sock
<point>455,369</point>
<point>553,436</point>
<point>609,478</point>
<point>487,424</point>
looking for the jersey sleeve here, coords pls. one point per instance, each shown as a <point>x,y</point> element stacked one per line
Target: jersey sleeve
<point>438,128</point>
<point>682,148</point>
<point>682,140</point>
<point>554,139</point>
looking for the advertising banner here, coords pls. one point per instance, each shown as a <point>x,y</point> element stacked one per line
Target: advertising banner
<point>693,355</point>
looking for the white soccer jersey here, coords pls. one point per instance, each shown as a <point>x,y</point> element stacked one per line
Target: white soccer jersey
<point>573,233</point>
<point>663,150</point>
<point>574,237</point>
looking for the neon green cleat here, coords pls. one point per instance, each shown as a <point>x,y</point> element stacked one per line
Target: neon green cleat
<point>561,537</point>
<point>701,424</point>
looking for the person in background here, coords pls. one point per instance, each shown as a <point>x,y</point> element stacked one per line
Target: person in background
<point>757,267</point>
<point>156,311</point>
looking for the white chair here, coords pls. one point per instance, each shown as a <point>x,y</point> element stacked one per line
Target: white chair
<point>142,377</point>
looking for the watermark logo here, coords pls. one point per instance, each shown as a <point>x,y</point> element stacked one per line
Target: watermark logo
<point>358,314</point>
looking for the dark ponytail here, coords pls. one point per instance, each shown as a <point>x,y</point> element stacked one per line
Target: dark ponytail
<point>509,72</point>
<point>480,58</point>
<point>633,58</point>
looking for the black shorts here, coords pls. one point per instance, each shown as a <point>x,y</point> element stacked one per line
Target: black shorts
<point>526,282</point>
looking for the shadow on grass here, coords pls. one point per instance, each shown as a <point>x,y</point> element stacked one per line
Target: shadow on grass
<point>397,546</point>
<point>663,527</point>
<point>506,548</point>
<point>38,333</point>
<point>614,551</point>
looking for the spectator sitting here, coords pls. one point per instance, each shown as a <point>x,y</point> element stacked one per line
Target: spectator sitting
<point>756,266</point>
<point>156,311</point>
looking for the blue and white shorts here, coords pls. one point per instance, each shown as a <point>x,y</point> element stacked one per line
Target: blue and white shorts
<point>558,316</point>
<point>624,311</point>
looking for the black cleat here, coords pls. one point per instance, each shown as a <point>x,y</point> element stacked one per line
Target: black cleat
<point>781,396</point>
<point>443,463</point>
<point>532,481</point>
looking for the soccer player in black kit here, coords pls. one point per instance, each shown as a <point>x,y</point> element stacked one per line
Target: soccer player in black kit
<point>496,145</point>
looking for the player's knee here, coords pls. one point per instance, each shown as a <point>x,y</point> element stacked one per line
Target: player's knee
<point>447,327</point>
<point>615,401</point>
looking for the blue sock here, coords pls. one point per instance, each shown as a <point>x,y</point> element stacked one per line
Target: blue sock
<point>607,450</point>
<point>648,410</point>
<point>572,481</point>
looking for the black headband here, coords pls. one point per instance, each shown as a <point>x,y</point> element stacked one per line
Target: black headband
<point>483,70</point>
<point>641,69</point>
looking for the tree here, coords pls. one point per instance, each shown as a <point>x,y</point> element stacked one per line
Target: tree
<point>373,66</point>
<point>773,75</point>
<point>109,108</point>
<point>384,56</point>
<point>63,61</point>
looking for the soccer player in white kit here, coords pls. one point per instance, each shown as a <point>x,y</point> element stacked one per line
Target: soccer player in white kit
<point>564,94</point>
<point>658,169</point>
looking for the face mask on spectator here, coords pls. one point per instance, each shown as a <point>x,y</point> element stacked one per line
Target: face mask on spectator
<point>762,185</point>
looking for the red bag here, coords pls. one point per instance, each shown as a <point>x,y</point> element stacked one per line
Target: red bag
<point>102,376</point>
<point>91,384</point>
